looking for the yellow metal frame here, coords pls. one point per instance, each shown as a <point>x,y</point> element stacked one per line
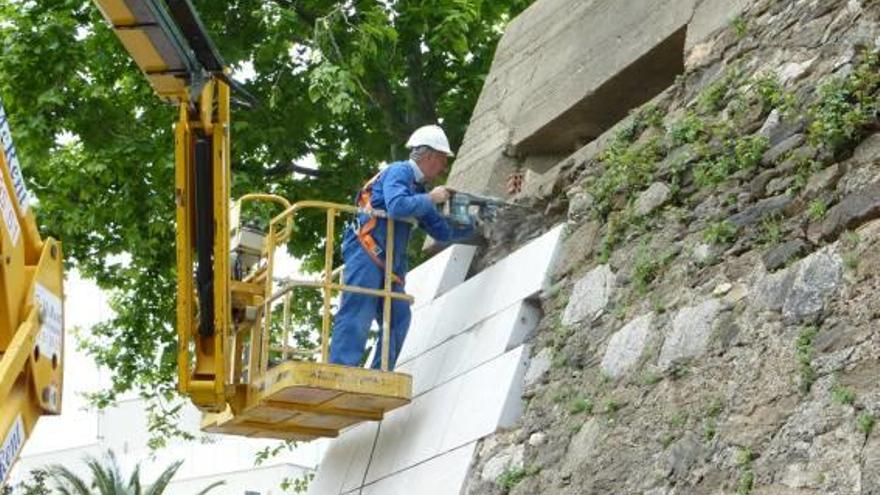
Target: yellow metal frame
<point>296,399</point>
<point>201,372</point>
<point>327,284</point>
<point>31,313</point>
<point>236,388</point>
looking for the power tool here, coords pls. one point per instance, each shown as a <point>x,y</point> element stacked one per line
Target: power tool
<point>464,210</point>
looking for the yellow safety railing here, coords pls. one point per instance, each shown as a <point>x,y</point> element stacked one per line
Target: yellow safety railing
<point>281,230</point>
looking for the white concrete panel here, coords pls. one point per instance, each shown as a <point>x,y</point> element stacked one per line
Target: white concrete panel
<point>481,343</point>
<point>512,279</point>
<point>455,413</point>
<point>439,274</point>
<point>491,399</point>
<point>416,433</point>
<point>345,461</point>
<point>443,475</point>
<point>465,354</point>
<point>418,338</point>
<point>427,370</point>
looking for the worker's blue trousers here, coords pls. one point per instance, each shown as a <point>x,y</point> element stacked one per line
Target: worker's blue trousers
<point>352,323</point>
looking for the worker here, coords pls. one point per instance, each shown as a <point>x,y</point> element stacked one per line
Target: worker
<point>400,190</point>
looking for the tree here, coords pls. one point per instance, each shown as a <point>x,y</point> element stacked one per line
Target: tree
<point>344,82</point>
<point>35,486</point>
<point>107,479</point>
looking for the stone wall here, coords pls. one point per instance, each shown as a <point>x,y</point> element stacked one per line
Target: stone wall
<point>712,327</point>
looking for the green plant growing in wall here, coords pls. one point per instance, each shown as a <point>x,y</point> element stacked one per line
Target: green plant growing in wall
<point>653,116</point>
<point>866,422</point>
<point>651,378</point>
<point>749,150</point>
<point>746,482</point>
<point>715,96</point>
<point>615,229</point>
<point>850,242</point>
<point>771,94</point>
<point>846,107</point>
<point>580,405</point>
<point>770,230</point>
<point>645,269</point>
<point>804,354</point>
<point>714,408</point>
<point>740,26</point>
<point>738,154</point>
<point>512,476</point>
<point>721,232</point>
<point>743,459</point>
<point>710,429</point>
<point>688,129</point>
<point>611,406</point>
<point>817,209</point>
<point>628,168</point>
<point>843,396</point>
<point>678,419</point>
<point>804,168</point>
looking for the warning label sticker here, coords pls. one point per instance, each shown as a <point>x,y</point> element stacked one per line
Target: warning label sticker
<point>11,446</point>
<point>7,211</point>
<point>18,185</point>
<point>51,322</point>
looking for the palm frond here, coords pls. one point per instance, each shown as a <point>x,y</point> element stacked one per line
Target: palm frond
<point>67,480</point>
<point>211,487</point>
<point>162,481</point>
<point>134,483</point>
<point>102,478</point>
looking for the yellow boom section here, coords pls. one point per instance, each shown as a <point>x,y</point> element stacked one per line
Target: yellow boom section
<point>31,312</point>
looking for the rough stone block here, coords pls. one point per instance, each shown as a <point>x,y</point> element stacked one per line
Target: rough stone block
<point>652,198</point>
<point>626,346</point>
<point>819,277</point>
<point>538,365</point>
<point>590,296</point>
<point>802,290</point>
<point>691,331</point>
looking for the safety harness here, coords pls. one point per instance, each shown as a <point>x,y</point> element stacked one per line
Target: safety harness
<point>365,232</point>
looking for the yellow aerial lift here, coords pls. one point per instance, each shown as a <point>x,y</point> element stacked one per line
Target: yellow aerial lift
<point>31,311</point>
<point>227,286</point>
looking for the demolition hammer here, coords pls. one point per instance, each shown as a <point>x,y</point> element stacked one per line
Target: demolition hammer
<point>466,210</point>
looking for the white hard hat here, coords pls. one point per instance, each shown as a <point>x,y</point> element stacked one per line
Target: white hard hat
<point>431,136</point>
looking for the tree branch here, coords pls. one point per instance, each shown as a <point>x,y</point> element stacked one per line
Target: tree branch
<point>309,17</point>
<point>290,168</point>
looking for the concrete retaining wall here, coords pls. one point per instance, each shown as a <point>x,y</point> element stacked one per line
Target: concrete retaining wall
<point>568,70</point>
<point>466,354</point>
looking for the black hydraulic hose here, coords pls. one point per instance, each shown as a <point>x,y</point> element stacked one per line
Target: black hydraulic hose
<point>204,203</point>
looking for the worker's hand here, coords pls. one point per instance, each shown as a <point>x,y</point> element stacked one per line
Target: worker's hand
<point>439,194</point>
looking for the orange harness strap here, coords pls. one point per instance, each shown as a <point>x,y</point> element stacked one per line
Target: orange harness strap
<point>364,233</point>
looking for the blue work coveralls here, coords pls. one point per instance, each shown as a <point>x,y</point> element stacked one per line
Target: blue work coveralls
<point>400,192</point>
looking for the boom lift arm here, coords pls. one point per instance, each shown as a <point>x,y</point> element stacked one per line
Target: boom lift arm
<point>31,312</point>
<point>225,300</point>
